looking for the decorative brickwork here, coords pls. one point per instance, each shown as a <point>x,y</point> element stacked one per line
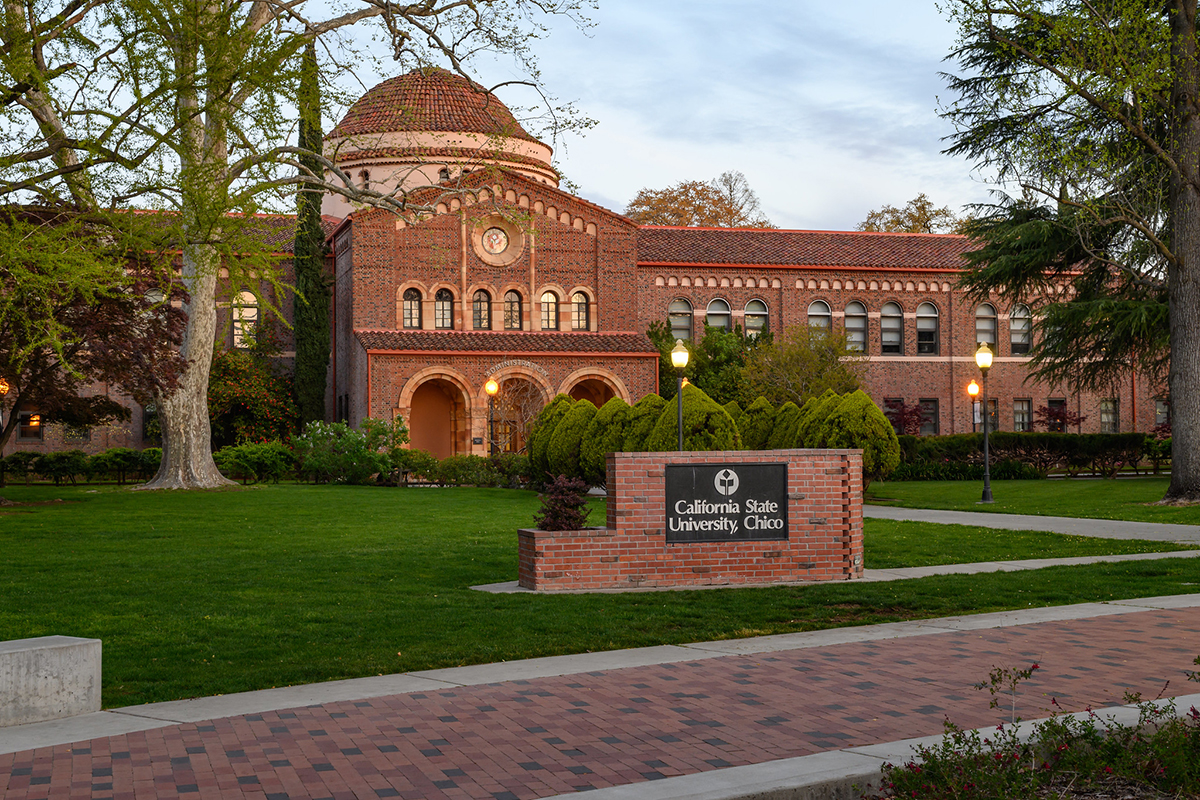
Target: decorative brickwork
<point>824,491</point>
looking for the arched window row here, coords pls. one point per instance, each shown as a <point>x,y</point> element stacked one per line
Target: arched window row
<point>718,314</point>
<point>510,316</point>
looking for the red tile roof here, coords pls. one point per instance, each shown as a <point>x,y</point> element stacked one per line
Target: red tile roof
<point>669,245</point>
<point>507,342</point>
<point>430,99</point>
<point>428,155</point>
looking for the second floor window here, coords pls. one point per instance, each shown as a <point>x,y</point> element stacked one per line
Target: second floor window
<point>891,329</point>
<point>412,308</point>
<point>679,315</point>
<point>1019,330</point>
<point>481,311</point>
<point>245,318</point>
<point>985,325</point>
<point>1110,416</point>
<point>579,308</point>
<point>756,318</point>
<point>856,327</point>
<point>819,316</point>
<point>443,309</point>
<point>719,316</point>
<point>549,311</point>
<point>927,329</point>
<point>512,311</point>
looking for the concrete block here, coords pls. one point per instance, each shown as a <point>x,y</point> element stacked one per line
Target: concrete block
<point>49,677</point>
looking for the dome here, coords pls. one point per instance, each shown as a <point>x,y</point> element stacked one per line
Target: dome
<point>429,100</point>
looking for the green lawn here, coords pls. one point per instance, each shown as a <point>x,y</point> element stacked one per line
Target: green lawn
<point>214,592</point>
<point>1124,498</point>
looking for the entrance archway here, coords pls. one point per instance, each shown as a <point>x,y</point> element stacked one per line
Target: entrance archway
<point>593,389</point>
<point>517,405</point>
<point>438,418</point>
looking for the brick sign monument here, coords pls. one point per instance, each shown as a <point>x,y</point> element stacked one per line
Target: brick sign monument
<point>695,519</point>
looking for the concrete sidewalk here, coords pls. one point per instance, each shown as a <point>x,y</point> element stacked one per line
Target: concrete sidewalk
<point>1100,528</point>
<point>717,718</point>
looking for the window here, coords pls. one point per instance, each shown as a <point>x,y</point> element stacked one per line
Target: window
<point>756,318</point>
<point>1058,409</point>
<point>29,426</point>
<point>927,329</point>
<point>443,309</point>
<point>80,433</point>
<point>719,316</point>
<point>679,316</point>
<point>444,174</point>
<point>891,329</point>
<point>151,427</point>
<point>412,308</point>
<point>1023,415</point>
<point>856,327</point>
<point>245,318</point>
<point>1110,416</point>
<point>512,311</point>
<point>365,177</point>
<point>1162,412</point>
<point>481,311</point>
<point>579,316</point>
<point>1020,330</point>
<point>929,416</point>
<point>893,410</point>
<point>819,315</point>
<point>985,325</point>
<point>549,311</point>
<point>993,414</point>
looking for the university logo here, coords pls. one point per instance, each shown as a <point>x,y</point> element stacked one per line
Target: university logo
<point>726,482</point>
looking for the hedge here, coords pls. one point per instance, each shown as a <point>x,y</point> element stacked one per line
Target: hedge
<point>641,421</point>
<point>540,434</point>
<point>808,428</point>
<point>757,423</point>
<point>605,434</point>
<point>1103,453</point>
<point>566,442</point>
<point>706,425</point>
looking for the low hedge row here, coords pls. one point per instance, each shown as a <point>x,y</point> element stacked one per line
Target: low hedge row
<point>121,464</point>
<point>1101,453</point>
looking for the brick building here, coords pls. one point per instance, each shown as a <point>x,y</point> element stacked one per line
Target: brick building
<point>512,278</point>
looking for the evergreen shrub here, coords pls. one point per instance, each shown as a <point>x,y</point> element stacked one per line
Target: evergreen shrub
<point>466,469</point>
<point>808,430</point>
<point>706,425</point>
<point>735,413</point>
<point>756,424</point>
<point>563,451</point>
<point>605,434</point>
<point>61,466</point>
<point>419,464</point>
<point>784,424</point>
<point>857,422</point>
<point>252,463</point>
<point>641,421</point>
<point>540,433</point>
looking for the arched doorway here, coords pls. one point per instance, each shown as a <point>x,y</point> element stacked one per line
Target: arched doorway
<point>438,418</point>
<point>593,389</point>
<point>517,405</point>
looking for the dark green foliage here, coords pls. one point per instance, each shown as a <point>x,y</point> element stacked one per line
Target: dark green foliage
<point>62,466</point>
<point>756,424</point>
<point>784,424</point>
<point>466,469</point>
<point>565,445</point>
<point>706,425</point>
<point>512,469</point>
<point>641,421</point>
<point>564,506</point>
<point>605,434</point>
<point>540,434</point>
<point>251,463</point>
<point>735,413</point>
<point>336,453</point>
<point>715,363</point>
<point>151,459</point>
<point>20,464</point>
<point>417,464</point>
<point>311,308</point>
<point>857,422</point>
<point>248,401</point>
<point>1003,470</point>
<point>803,363</point>
<point>1102,453</point>
<point>807,432</point>
<point>117,463</point>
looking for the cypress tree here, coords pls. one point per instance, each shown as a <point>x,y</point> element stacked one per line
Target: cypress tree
<point>311,305</point>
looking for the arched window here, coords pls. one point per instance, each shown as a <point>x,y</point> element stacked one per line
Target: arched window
<point>512,311</point>
<point>985,325</point>
<point>1020,329</point>
<point>757,319</point>
<point>679,315</point>
<point>365,177</point>
<point>412,308</point>
<point>579,315</point>
<point>856,327</point>
<point>481,311</point>
<point>927,329</point>
<point>245,318</point>
<point>443,309</point>
<point>549,311</point>
<point>891,329</point>
<point>819,315</point>
<point>718,315</point>
<point>444,174</point>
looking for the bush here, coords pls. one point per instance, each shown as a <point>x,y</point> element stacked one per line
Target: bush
<point>61,466</point>
<point>735,413</point>
<point>336,453</point>
<point>150,459</point>
<point>20,464</point>
<point>756,424</point>
<point>857,422</point>
<point>564,506</point>
<point>251,463</point>
<point>808,430</point>
<point>605,434</point>
<point>641,421</point>
<point>116,462</point>
<point>706,425</point>
<point>247,402</point>
<point>467,470</point>
<point>511,468</point>
<point>418,463</point>
<point>1006,469</point>
<point>563,451</point>
<point>540,434</point>
<point>784,423</point>
<point>1157,451</point>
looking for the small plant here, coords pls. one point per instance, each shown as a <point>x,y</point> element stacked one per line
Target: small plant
<point>564,505</point>
<point>1005,680</point>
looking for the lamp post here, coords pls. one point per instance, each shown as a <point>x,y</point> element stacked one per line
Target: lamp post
<point>491,387</point>
<point>679,360</point>
<point>983,357</point>
<point>973,392</point>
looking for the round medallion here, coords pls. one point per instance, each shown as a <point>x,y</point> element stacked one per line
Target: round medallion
<point>495,241</point>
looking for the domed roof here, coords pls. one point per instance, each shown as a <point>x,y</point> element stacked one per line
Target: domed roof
<point>429,99</point>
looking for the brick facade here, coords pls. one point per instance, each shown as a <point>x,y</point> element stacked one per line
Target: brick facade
<point>824,491</point>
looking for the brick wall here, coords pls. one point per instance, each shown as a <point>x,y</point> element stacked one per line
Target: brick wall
<point>824,490</point>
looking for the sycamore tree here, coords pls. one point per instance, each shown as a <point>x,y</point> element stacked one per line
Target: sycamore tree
<point>1092,112</point>
<point>724,202</point>
<point>186,107</point>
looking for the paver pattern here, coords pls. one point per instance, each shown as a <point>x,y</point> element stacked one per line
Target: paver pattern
<point>536,738</point>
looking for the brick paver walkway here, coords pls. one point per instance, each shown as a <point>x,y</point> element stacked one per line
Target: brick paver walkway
<point>535,738</point>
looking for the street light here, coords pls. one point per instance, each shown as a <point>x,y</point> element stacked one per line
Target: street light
<point>973,392</point>
<point>983,357</point>
<point>679,360</point>
<point>491,387</point>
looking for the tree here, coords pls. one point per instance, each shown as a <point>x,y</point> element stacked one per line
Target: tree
<point>918,216</point>
<point>204,135</point>
<point>856,422</point>
<point>906,419</point>
<point>706,425</point>
<point>715,363</point>
<point>248,401</point>
<point>802,363</point>
<point>1095,109</point>
<point>724,202</point>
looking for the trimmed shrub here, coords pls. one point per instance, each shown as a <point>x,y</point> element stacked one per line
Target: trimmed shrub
<point>706,425</point>
<point>61,466</point>
<point>756,424</point>
<point>512,469</point>
<point>1157,451</point>
<point>20,465</point>
<point>540,434</point>
<point>1007,470</point>
<point>784,423</point>
<point>605,434</point>
<point>857,422</point>
<point>151,459</point>
<point>735,413</point>
<point>641,421</point>
<point>467,470</point>
<point>564,506</point>
<point>418,463</point>
<point>808,430</point>
<point>566,443</point>
<point>116,462</point>
<point>251,463</point>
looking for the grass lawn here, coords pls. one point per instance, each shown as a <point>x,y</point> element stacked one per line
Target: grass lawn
<point>1124,498</point>
<point>204,593</point>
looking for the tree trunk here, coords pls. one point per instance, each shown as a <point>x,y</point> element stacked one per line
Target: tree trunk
<point>1184,276</point>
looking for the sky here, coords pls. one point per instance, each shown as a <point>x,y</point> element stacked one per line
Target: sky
<point>829,109</point>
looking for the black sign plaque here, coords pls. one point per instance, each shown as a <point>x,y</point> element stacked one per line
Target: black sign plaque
<point>726,502</point>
